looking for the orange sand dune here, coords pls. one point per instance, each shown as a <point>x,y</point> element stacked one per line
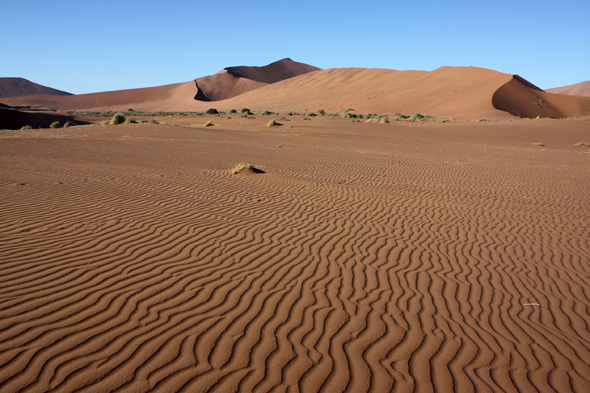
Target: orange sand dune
<point>414,257</point>
<point>447,91</point>
<point>578,89</point>
<point>20,87</point>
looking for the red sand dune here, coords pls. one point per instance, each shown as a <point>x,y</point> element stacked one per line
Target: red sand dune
<point>20,87</point>
<point>447,91</point>
<point>233,81</point>
<point>578,89</point>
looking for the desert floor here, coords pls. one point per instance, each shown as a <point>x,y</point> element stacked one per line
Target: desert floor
<point>369,257</point>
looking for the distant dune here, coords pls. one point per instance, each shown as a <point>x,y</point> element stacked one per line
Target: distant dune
<point>578,89</point>
<point>447,91</point>
<point>233,81</point>
<point>20,87</point>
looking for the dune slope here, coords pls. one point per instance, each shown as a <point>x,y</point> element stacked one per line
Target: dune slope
<point>578,89</point>
<point>20,87</point>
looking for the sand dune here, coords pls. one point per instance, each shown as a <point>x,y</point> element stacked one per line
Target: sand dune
<point>368,257</point>
<point>19,87</point>
<point>447,91</point>
<point>578,89</point>
<point>233,81</point>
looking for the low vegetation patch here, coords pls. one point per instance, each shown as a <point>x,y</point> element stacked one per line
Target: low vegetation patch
<point>55,124</point>
<point>118,118</point>
<point>244,166</point>
<point>212,111</point>
<point>583,144</point>
<point>68,124</point>
<point>538,144</point>
<point>273,123</point>
<point>209,123</point>
<point>27,127</point>
<point>416,116</point>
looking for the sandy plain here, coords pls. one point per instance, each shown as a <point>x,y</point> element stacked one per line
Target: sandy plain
<point>369,257</point>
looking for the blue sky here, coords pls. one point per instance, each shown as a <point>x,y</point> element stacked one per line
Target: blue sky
<point>90,46</point>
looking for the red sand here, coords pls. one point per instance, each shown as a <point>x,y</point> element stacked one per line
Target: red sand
<point>369,257</point>
<point>578,89</point>
<point>469,92</point>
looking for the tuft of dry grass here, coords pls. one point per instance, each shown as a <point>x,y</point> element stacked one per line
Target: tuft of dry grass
<point>209,123</point>
<point>583,144</point>
<point>538,144</point>
<point>55,124</point>
<point>240,167</point>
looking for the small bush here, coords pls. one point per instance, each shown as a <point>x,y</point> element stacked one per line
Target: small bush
<point>233,111</point>
<point>105,122</point>
<point>322,112</point>
<point>266,113</point>
<point>212,111</point>
<point>209,123</point>
<point>240,167</point>
<point>118,119</point>
<point>130,120</point>
<point>55,124</point>
<point>583,144</point>
<point>538,144</point>
<point>273,123</point>
<point>416,116</point>
<point>27,127</point>
<point>246,110</point>
<point>68,124</point>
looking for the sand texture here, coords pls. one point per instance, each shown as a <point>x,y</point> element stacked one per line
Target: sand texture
<point>447,257</point>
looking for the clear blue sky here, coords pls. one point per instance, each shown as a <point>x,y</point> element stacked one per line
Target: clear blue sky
<point>85,46</point>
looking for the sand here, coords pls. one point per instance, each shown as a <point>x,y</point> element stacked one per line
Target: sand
<point>369,257</point>
<point>470,92</point>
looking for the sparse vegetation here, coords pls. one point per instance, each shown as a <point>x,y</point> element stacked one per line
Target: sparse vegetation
<point>68,124</point>
<point>266,113</point>
<point>322,112</point>
<point>416,116</point>
<point>246,110</point>
<point>212,111</point>
<point>27,127</point>
<point>240,167</point>
<point>209,123</point>
<point>55,124</point>
<point>118,118</point>
<point>583,144</point>
<point>130,120</point>
<point>538,144</point>
<point>273,123</point>
<point>105,122</point>
<point>378,119</point>
<point>233,111</point>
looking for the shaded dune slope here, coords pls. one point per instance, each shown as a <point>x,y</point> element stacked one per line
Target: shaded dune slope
<point>578,89</point>
<point>359,265</point>
<point>20,87</point>
<point>11,119</point>
<point>274,72</point>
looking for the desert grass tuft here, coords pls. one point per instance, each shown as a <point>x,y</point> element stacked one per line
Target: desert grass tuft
<point>583,144</point>
<point>27,127</point>
<point>416,116</point>
<point>118,118</point>
<point>55,124</point>
<point>273,123</point>
<point>209,123</point>
<point>240,167</point>
<point>68,124</point>
<point>538,144</point>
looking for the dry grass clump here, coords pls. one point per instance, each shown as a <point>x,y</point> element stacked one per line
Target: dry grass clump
<point>105,122</point>
<point>27,127</point>
<point>583,144</point>
<point>538,144</point>
<point>209,123</point>
<point>379,119</point>
<point>118,118</point>
<point>240,167</point>
<point>55,124</point>
<point>273,123</point>
<point>416,116</point>
<point>68,124</point>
